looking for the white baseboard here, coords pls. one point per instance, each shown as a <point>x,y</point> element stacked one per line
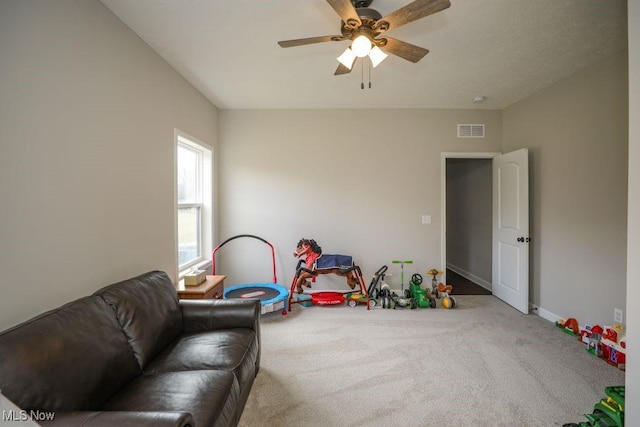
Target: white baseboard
<point>533,309</point>
<point>545,314</point>
<point>470,276</point>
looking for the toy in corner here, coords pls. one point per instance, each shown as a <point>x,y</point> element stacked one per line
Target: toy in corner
<point>402,263</point>
<point>315,262</point>
<point>377,290</point>
<point>608,342</point>
<point>423,297</point>
<point>404,299</point>
<point>607,412</point>
<point>440,290</point>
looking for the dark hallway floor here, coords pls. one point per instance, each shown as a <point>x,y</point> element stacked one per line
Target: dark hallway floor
<point>464,286</point>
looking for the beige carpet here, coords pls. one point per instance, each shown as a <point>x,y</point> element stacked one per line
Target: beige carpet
<point>481,364</point>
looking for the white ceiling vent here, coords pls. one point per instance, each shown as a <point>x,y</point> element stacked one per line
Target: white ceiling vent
<point>470,131</point>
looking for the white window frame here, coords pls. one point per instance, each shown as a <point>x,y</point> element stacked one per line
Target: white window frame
<point>205,202</point>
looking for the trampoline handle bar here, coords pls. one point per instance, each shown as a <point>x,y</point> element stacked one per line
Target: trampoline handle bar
<point>273,254</point>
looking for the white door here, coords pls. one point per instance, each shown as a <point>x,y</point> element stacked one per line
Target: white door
<point>510,270</point>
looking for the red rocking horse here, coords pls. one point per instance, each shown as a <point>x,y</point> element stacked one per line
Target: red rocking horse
<point>315,262</point>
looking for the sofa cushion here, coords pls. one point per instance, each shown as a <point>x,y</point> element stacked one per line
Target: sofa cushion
<point>73,357</point>
<point>147,308</point>
<point>209,396</point>
<point>233,350</point>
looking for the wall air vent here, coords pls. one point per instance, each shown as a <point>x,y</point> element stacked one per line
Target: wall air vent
<point>470,131</point>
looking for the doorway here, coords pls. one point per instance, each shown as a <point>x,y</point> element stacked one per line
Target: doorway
<point>467,222</point>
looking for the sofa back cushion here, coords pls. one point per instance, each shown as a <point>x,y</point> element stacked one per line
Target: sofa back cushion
<point>72,358</point>
<point>147,308</point>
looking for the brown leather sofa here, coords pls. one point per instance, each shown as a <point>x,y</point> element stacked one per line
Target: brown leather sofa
<point>132,354</point>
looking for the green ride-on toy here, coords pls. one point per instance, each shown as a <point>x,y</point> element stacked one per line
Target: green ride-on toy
<point>608,412</point>
<point>423,297</point>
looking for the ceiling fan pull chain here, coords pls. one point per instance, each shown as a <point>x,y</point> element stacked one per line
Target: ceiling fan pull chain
<point>362,74</point>
<point>369,62</point>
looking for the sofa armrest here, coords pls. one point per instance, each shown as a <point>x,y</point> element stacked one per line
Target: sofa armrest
<point>120,419</point>
<point>207,315</point>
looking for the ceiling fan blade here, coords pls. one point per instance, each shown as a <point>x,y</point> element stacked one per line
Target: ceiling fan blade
<point>411,12</point>
<point>404,50</point>
<point>341,70</point>
<point>347,12</point>
<point>310,40</point>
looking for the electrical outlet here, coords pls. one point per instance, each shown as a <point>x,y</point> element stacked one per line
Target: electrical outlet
<point>617,315</point>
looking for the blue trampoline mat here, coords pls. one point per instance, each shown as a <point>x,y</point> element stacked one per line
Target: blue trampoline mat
<point>267,293</point>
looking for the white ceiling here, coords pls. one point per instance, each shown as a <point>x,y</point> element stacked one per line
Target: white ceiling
<point>504,50</point>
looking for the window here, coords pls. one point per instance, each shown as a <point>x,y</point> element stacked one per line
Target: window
<point>193,202</point>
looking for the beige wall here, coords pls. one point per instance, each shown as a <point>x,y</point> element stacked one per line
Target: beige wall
<point>357,181</point>
<point>577,132</point>
<point>87,114</point>
<point>632,381</point>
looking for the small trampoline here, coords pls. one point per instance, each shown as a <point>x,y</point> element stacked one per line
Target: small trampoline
<point>272,296</point>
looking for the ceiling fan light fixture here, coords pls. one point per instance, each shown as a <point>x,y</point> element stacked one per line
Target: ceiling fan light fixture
<point>361,46</point>
<point>347,58</point>
<point>377,56</point>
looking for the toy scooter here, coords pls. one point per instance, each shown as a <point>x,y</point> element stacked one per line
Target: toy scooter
<point>405,299</point>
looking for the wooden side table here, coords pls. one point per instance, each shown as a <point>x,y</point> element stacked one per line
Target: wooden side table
<point>212,288</point>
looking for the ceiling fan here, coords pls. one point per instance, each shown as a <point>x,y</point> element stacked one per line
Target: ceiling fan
<point>365,27</point>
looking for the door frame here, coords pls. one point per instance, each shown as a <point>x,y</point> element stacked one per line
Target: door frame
<point>443,197</point>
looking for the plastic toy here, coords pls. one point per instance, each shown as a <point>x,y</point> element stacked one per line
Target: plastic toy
<point>327,298</point>
<point>391,299</point>
<point>441,291</point>
<point>318,263</point>
<point>377,289</point>
<point>402,263</point>
<point>613,346</point>
<point>423,297</point>
<point>272,296</point>
<point>377,283</point>
<point>355,299</point>
<point>434,273</point>
<point>402,301</point>
<point>608,343</point>
<point>448,301</point>
<point>593,344</point>
<point>607,412</point>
